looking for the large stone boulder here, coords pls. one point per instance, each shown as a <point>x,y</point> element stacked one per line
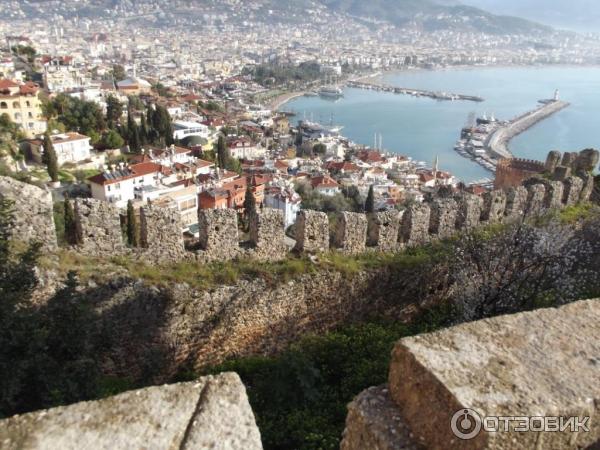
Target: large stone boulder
<point>33,207</point>
<point>449,389</point>
<point>211,412</point>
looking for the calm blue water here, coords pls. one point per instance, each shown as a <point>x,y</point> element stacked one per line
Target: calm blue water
<point>423,128</point>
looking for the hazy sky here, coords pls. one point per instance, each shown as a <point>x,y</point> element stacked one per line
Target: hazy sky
<point>573,14</point>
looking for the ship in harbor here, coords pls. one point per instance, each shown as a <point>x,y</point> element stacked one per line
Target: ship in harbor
<point>331,92</point>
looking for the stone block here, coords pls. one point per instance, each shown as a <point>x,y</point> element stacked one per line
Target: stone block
<point>414,229</point>
<point>267,235</point>
<point>516,202</point>
<point>535,199</point>
<point>539,363</point>
<point>218,233</point>
<point>588,187</point>
<point>374,422</point>
<point>211,412</point>
<point>469,211</point>
<point>351,232</point>
<point>561,173</point>
<point>312,231</point>
<point>385,228</point>
<point>586,161</point>
<point>552,161</point>
<point>554,194</point>
<point>98,227</point>
<point>161,232</point>
<point>572,190</point>
<point>33,208</point>
<point>494,204</point>
<point>569,159</point>
<point>442,221</point>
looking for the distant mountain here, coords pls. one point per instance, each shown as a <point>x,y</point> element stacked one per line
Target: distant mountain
<point>437,14</point>
<point>578,15</point>
<point>428,15</point>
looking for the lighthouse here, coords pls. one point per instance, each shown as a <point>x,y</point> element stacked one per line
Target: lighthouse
<point>556,95</point>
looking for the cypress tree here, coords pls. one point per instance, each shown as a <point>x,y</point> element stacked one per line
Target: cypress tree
<point>223,155</point>
<point>132,228</point>
<point>249,204</point>
<point>143,130</point>
<point>70,227</point>
<point>370,202</point>
<point>135,143</point>
<point>49,158</point>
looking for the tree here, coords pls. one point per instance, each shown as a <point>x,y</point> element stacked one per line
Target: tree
<point>222,152</point>
<point>49,158</point>
<point>135,143</point>
<point>118,72</point>
<point>112,139</point>
<point>70,226</point>
<point>370,202</point>
<point>249,204</point>
<point>114,111</point>
<point>162,124</point>
<point>319,149</point>
<point>144,133</point>
<point>132,227</point>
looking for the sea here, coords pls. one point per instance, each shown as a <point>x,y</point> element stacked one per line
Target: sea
<point>424,129</point>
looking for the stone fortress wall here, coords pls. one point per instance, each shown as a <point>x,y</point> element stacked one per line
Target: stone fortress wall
<point>566,183</point>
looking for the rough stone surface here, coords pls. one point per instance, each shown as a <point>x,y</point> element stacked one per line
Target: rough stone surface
<point>212,412</point>
<point>442,222</point>
<point>34,220</point>
<point>218,234</point>
<point>561,173</point>
<point>540,363</point>
<point>516,202</point>
<point>374,422</point>
<point>535,199</point>
<point>586,161</point>
<point>572,190</point>
<point>415,225</point>
<point>161,233</point>
<point>552,161</point>
<point>385,228</point>
<point>554,194</point>
<point>588,187</point>
<point>469,211</point>
<point>494,204</point>
<point>312,231</point>
<point>569,159</point>
<point>267,235</point>
<point>98,227</point>
<point>351,233</point>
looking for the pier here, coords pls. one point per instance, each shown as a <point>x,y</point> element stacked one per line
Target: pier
<point>497,142</point>
<point>414,92</point>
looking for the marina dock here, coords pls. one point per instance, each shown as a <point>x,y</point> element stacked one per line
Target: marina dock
<point>414,92</point>
<point>497,143</point>
<point>487,141</point>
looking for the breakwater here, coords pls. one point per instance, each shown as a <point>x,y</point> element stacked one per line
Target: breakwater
<point>436,95</point>
<point>497,142</point>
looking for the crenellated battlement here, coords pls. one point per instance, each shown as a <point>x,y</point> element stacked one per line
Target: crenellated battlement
<point>99,224</point>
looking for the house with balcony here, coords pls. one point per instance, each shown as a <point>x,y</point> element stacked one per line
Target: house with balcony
<point>20,101</point>
<point>69,147</point>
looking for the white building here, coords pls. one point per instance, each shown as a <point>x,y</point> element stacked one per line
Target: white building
<point>183,129</point>
<point>127,183</point>
<point>244,148</point>
<point>283,196</point>
<point>69,147</point>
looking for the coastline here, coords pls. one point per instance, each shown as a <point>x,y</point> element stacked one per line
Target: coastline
<point>282,99</point>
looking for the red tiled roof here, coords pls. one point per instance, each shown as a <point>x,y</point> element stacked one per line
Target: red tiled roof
<point>323,181</point>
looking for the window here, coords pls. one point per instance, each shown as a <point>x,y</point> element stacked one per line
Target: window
<point>30,115</point>
<point>187,204</point>
<point>28,104</point>
<point>3,105</point>
<point>16,105</point>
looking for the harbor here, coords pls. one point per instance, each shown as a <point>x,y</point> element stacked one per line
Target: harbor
<point>436,95</point>
<point>486,140</point>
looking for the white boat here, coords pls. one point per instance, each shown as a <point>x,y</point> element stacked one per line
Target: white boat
<point>331,92</point>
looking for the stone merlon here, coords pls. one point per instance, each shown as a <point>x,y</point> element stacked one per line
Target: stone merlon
<point>211,412</point>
